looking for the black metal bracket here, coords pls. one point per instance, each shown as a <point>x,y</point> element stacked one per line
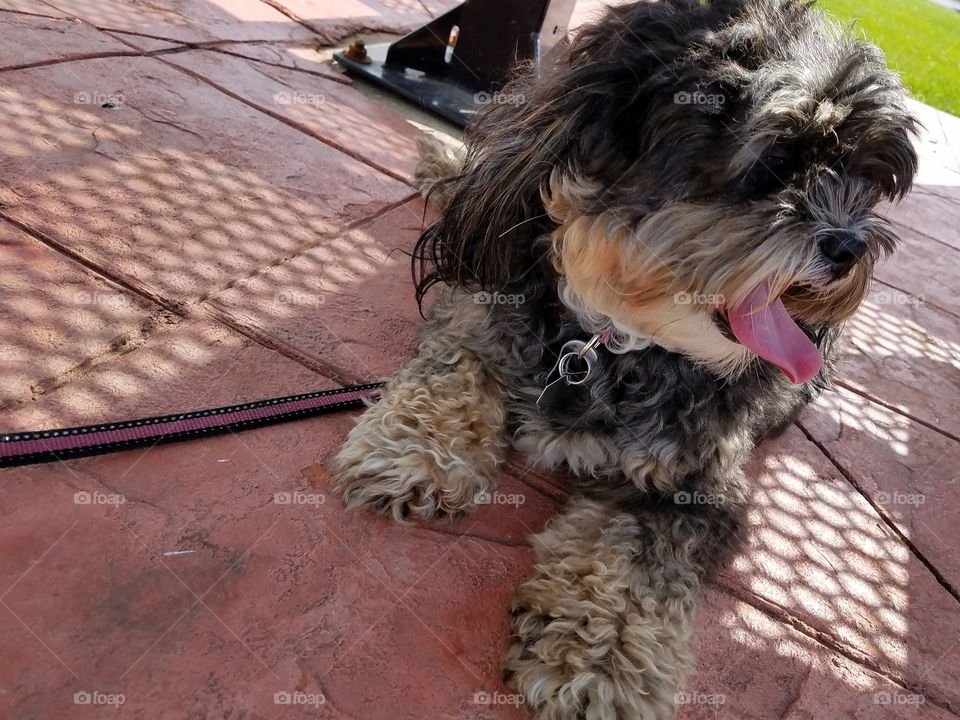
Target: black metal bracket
<point>455,63</point>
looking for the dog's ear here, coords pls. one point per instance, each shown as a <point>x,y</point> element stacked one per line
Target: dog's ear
<point>486,237</point>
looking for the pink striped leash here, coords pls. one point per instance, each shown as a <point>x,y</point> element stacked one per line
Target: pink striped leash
<point>28,448</point>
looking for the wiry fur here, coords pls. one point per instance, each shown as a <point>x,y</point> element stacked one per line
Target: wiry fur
<point>605,622</point>
<point>435,438</point>
<point>589,207</point>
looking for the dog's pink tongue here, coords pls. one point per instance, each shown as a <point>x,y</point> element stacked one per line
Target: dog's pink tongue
<point>767,329</point>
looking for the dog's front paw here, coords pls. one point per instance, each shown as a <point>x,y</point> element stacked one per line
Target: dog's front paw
<point>412,478</point>
<point>428,447</point>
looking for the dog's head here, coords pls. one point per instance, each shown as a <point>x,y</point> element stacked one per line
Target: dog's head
<point>700,175</point>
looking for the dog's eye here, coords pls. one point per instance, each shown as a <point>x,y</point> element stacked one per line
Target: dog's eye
<point>767,174</point>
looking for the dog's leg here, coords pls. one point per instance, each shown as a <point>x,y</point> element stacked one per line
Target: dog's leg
<point>602,629</point>
<point>434,440</point>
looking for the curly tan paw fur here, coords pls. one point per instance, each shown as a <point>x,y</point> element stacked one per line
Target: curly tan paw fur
<point>433,441</point>
<point>590,639</point>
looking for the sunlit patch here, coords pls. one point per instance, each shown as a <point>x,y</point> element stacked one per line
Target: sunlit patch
<point>817,550</point>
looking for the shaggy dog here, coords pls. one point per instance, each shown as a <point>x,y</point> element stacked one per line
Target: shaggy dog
<point>692,185</point>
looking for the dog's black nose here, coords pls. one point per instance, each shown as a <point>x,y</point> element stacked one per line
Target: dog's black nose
<point>842,248</point>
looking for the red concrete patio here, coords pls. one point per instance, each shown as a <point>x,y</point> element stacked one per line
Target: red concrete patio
<point>197,209</point>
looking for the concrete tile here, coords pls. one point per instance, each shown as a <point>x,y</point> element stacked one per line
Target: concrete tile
<point>27,39</point>
<point>340,115</point>
<point>908,470</point>
<point>296,596</point>
<point>336,19</point>
<point>906,353</point>
<point>933,210</point>
<point>938,142</point>
<point>54,315</point>
<point>927,269</point>
<point>188,365</point>
<point>819,555</point>
<point>188,20</point>
<point>348,302</point>
<point>753,667</point>
<point>177,186</point>
<point>83,600</point>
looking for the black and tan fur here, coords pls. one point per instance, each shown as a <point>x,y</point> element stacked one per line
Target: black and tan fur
<point>593,204</point>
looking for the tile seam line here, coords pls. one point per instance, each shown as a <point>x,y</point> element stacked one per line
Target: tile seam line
<point>180,47</point>
<point>24,13</point>
<point>290,123</point>
<point>201,44</point>
<point>288,350</point>
<point>782,616</point>
<point>911,546</point>
<point>286,12</point>
<point>123,344</point>
<point>942,309</point>
<point>936,193</point>
<point>215,46</point>
<point>333,39</point>
<point>188,310</point>
<point>134,287</point>
<point>921,233</point>
<point>899,411</point>
<point>86,56</point>
<point>306,247</point>
<point>208,306</point>
<point>331,78</point>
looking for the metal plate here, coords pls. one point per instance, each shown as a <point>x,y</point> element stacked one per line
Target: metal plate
<point>448,100</point>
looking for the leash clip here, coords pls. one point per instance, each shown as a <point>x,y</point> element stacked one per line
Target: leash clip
<point>575,363</point>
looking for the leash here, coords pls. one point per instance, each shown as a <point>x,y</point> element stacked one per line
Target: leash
<point>29,448</point>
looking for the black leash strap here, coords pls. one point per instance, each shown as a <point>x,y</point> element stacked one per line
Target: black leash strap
<point>29,448</point>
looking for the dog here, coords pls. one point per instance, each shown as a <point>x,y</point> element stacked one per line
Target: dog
<point>643,266</point>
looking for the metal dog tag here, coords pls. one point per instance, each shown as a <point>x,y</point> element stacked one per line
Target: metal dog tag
<point>574,366</point>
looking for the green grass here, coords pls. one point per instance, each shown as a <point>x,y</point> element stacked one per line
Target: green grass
<point>920,39</point>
